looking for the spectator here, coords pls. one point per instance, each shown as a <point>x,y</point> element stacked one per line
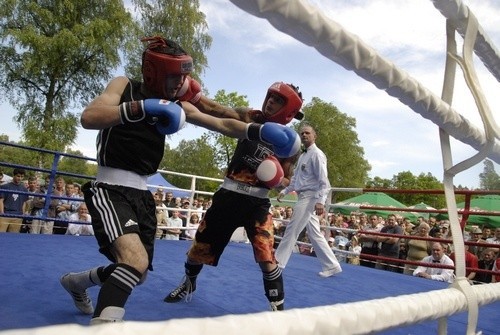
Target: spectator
<point>324,228</point>
<point>67,207</point>
<point>355,250</point>
<point>341,243</point>
<point>192,226</point>
<point>471,262</point>
<point>84,227</point>
<point>408,227</point>
<point>485,263</point>
<point>206,204</point>
<point>420,219</point>
<point>174,223</point>
<point>39,207</point>
<point>496,237</point>
<point>78,190</point>
<point>445,229</point>
<point>162,214</point>
<point>184,212</point>
<point>369,243</point>
<point>486,233</point>
<point>46,183</point>
<point>338,221</point>
<point>277,220</point>
<point>305,247</point>
<point>288,213</point>
<point>363,220</point>
<point>476,235</point>
<point>389,247</point>
<point>28,205</point>
<point>435,273</point>
<point>417,249</point>
<point>331,242</point>
<point>2,181</point>
<point>12,203</point>
<point>495,240</point>
<point>197,207</point>
<point>435,228</point>
<point>170,202</point>
<point>496,268</point>
<point>60,191</point>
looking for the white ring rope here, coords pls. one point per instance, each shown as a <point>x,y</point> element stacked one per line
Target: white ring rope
<point>458,13</point>
<point>307,24</point>
<point>351,318</point>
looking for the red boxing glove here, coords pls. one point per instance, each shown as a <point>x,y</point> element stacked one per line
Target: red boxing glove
<point>189,91</point>
<point>270,172</point>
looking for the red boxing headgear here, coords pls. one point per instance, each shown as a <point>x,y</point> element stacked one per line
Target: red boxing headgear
<point>291,107</point>
<point>162,58</point>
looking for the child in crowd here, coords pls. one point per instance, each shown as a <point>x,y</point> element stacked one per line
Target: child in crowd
<point>355,248</point>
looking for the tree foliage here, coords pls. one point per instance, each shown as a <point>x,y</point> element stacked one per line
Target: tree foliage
<point>489,179</point>
<point>181,21</point>
<point>192,157</point>
<point>408,181</point>
<point>338,139</point>
<point>75,165</point>
<point>15,155</point>
<point>224,146</point>
<point>56,55</point>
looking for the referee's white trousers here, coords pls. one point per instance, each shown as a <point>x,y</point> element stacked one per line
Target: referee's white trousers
<point>303,216</point>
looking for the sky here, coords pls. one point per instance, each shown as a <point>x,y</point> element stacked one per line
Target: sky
<point>248,54</point>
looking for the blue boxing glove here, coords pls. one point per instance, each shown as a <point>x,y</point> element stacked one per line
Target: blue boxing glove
<point>285,141</point>
<point>168,116</point>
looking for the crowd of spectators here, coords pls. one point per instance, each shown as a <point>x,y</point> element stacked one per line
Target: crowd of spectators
<point>33,205</point>
<point>408,246</point>
<point>178,217</point>
<point>353,237</point>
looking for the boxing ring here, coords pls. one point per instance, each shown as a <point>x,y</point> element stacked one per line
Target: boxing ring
<point>375,314</point>
<point>229,298</point>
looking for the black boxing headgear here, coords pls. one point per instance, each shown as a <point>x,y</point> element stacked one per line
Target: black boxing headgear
<point>162,58</point>
<point>292,103</point>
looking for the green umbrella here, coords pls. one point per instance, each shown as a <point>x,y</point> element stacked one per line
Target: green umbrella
<point>422,205</point>
<point>378,199</point>
<point>487,203</point>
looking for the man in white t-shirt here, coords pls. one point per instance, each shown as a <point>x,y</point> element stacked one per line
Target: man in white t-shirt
<point>173,224</point>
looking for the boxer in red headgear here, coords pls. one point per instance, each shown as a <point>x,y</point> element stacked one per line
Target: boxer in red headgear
<point>243,198</point>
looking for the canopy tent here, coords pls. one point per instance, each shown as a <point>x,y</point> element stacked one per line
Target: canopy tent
<point>371,199</point>
<point>423,206</point>
<point>157,181</point>
<point>485,203</point>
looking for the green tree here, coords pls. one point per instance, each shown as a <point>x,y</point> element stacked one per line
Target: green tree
<point>408,181</point>
<point>75,165</point>
<point>16,155</point>
<point>224,146</point>
<point>192,157</point>
<point>378,182</point>
<point>55,56</point>
<point>489,179</point>
<point>181,21</point>
<point>338,139</point>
